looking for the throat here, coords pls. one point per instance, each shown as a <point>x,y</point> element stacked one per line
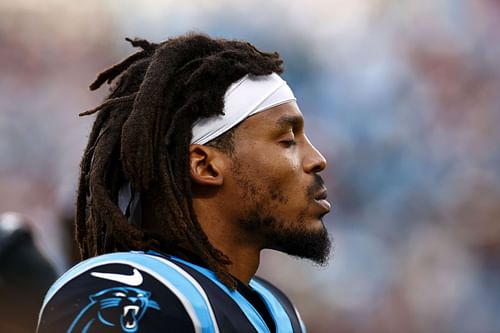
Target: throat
<point>244,264</point>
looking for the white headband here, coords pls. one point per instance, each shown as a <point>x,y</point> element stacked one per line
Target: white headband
<point>247,96</point>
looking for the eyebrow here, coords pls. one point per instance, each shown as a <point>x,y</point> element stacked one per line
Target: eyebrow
<point>287,121</point>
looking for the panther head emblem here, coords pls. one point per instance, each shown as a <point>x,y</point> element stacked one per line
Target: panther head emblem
<point>121,306</point>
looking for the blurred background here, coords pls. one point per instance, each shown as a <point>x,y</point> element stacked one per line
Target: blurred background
<point>402,97</point>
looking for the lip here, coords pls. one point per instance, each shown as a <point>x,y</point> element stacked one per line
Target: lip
<point>321,194</point>
<point>325,204</point>
<point>320,199</point>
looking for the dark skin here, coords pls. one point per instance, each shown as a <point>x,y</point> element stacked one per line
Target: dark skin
<point>267,187</point>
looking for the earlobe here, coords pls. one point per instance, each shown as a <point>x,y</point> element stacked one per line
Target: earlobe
<point>205,164</point>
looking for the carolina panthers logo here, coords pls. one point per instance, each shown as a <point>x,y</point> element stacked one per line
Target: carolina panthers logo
<point>121,307</point>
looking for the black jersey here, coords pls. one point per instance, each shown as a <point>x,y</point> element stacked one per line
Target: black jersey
<point>147,292</point>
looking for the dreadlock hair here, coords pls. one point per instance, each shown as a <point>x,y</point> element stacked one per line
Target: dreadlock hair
<point>142,134</point>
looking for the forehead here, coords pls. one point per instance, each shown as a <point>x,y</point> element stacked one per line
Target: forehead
<point>282,116</point>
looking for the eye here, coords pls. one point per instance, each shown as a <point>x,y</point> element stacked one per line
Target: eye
<point>120,294</point>
<point>140,295</point>
<point>288,143</point>
<point>287,138</point>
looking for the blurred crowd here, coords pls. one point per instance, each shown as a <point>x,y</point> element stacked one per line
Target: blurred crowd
<point>402,97</point>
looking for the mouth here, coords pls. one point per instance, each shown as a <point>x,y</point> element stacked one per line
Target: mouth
<point>130,315</point>
<point>320,199</point>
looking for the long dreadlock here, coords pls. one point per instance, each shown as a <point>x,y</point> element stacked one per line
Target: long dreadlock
<point>142,134</point>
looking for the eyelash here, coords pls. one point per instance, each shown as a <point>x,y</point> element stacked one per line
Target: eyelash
<point>289,143</point>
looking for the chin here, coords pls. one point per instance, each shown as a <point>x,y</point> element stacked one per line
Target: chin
<point>310,241</point>
<point>317,224</point>
<point>313,225</point>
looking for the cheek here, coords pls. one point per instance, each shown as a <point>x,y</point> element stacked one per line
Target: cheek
<point>276,173</point>
<point>287,171</point>
<point>281,165</point>
<point>286,186</point>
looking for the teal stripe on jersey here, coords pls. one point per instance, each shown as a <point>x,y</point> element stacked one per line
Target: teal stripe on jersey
<point>280,317</point>
<point>278,312</point>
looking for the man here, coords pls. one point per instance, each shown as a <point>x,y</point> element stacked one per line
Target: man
<point>25,275</point>
<point>196,162</point>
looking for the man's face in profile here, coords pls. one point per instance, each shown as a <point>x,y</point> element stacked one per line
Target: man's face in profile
<point>281,196</point>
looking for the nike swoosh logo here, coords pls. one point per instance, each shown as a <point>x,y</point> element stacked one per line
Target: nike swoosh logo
<point>132,280</point>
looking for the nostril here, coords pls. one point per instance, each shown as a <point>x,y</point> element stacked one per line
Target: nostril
<point>322,164</point>
<point>317,165</point>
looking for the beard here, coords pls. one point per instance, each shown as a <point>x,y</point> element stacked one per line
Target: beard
<point>290,237</point>
<point>314,246</point>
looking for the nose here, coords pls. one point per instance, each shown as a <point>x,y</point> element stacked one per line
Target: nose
<point>314,161</point>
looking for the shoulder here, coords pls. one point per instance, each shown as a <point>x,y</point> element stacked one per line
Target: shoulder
<point>278,293</point>
<point>277,301</point>
<point>121,292</point>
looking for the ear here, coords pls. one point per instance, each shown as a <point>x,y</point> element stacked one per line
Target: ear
<point>206,165</point>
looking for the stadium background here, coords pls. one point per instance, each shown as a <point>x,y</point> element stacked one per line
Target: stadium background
<point>403,98</point>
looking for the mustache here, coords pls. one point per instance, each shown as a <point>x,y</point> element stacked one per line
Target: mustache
<point>317,185</point>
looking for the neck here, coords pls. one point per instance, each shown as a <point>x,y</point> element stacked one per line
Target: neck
<point>225,235</point>
<point>245,260</point>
